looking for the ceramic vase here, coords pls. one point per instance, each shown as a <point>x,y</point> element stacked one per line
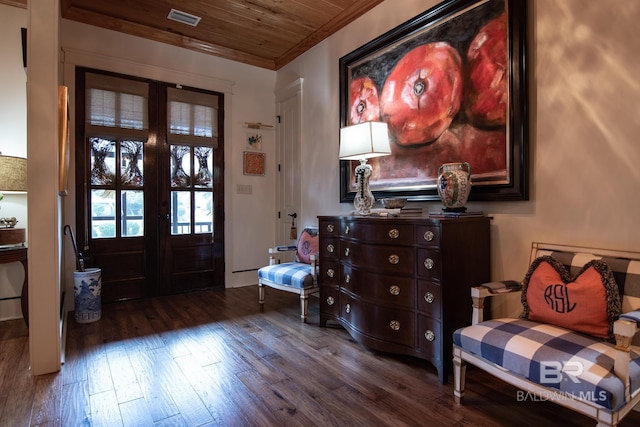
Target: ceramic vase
<point>87,288</point>
<point>454,185</point>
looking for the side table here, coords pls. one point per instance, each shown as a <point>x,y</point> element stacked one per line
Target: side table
<point>19,254</point>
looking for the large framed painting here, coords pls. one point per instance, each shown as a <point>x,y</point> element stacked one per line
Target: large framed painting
<point>451,85</point>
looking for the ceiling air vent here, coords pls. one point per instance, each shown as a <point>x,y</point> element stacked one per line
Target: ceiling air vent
<point>184,17</point>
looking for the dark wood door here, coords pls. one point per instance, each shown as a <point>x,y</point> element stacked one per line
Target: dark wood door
<point>150,192</point>
<point>191,232</point>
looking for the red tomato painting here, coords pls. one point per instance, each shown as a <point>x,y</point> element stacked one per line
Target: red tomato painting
<point>365,106</point>
<point>422,94</point>
<point>486,97</point>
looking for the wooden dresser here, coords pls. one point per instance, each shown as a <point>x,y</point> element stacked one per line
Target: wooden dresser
<point>401,285</point>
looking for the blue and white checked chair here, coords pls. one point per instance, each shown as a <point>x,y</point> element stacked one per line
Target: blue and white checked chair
<point>299,276</point>
<point>603,381</point>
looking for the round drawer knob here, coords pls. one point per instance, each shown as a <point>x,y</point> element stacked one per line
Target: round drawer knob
<point>331,272</point>
<point>428,235</point>
<point>347,279</point>
<point>347,251</point>
<point>429,335</point>
<point>428,297</point>
<point>428,263</point>
<point>394,290</point>
<point>347,308</point>
<point>394,325</point>
<point>394,259</point>
<point>330,228</point>
<point>330,248</point>
<point>330,301</point>
<point>347,230</point>
<point>394,233</point>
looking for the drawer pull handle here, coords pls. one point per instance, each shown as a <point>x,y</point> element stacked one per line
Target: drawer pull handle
<point>330,228</point>
<point>347,308</point>
<point>394,290</point>
<point>347,230</point>
<point>428,297</point>
<point>331,272</point>
<point>428,263</point>
<point>429,335</point>
<point>428,235</point>
<point>330,301</point>
<point>347,251</point>
<point>394,325</point>
<point>394,259</point>
<point>394,233</point>
<point>330,248</point>
<point>347,278</point>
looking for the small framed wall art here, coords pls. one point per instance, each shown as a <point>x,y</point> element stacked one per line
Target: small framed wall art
<point>254,141</point>
<point>253,163</point>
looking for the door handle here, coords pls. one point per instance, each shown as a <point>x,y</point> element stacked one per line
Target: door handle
<point>164,216</point>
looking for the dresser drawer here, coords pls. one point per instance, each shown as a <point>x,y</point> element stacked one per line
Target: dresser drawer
<point>428,235</point>
<point>329,273</point>
<point>430,299</point>
<point>396,326</point>
<point>379,259</point>
<point>429,264</point>
<point>379,233</point>
<point>329,227</point>
<point>330,247</point>
<point>379,288</point>
<point>429,336</point>
<point>329,300</point>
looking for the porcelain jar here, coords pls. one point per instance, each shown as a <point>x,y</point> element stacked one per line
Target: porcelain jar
<point>454,185</point>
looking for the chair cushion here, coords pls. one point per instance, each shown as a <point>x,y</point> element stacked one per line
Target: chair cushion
<point>294,274</point>
<point>588,302</point>
<point>553,357</point>
<point>308,244</point>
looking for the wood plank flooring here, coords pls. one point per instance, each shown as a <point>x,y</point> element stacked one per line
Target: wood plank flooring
<point>211,358</point>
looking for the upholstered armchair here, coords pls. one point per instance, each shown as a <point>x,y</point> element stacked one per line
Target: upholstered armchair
<point>574,342</point>
<point>299,276</point>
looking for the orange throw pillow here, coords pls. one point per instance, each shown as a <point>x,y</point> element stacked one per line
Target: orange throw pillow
<point>587,303</point>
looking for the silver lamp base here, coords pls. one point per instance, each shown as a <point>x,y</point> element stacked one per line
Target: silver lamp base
<point>364,200</point>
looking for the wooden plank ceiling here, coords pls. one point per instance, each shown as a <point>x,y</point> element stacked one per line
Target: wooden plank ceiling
<point>265,33</point>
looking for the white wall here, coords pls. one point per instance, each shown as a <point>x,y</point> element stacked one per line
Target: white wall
<point>249,97</point>
<point>13,142</point>
<point>584,150</point>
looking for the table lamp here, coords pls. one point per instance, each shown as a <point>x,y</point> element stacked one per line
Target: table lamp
<point>13,179</point>
<point>361,142</point>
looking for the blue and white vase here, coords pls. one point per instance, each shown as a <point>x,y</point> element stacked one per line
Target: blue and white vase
<point>87,289</point>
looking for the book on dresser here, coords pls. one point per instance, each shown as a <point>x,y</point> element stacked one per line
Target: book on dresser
<point>402,284</point>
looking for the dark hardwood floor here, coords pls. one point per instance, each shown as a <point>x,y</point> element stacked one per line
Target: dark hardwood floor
<point>212,359</point>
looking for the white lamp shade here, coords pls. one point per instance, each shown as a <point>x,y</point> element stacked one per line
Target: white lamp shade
<point>364,140</point>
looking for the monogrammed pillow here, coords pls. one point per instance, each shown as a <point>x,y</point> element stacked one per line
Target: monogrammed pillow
<point>588,302</point>
<point>308,244</point>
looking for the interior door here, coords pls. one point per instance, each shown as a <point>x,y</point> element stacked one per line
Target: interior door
<point>149,185</point>
<point>289,105</point>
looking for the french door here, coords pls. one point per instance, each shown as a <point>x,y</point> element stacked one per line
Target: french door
<point>149,184</point>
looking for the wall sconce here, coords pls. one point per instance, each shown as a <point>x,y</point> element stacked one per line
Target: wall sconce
<point>361,142</point>
<point>13,179</point>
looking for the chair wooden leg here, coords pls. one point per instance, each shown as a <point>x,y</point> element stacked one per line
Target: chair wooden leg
<point>261,296</point>
<point>459,373</point>
<point>304,305</point>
